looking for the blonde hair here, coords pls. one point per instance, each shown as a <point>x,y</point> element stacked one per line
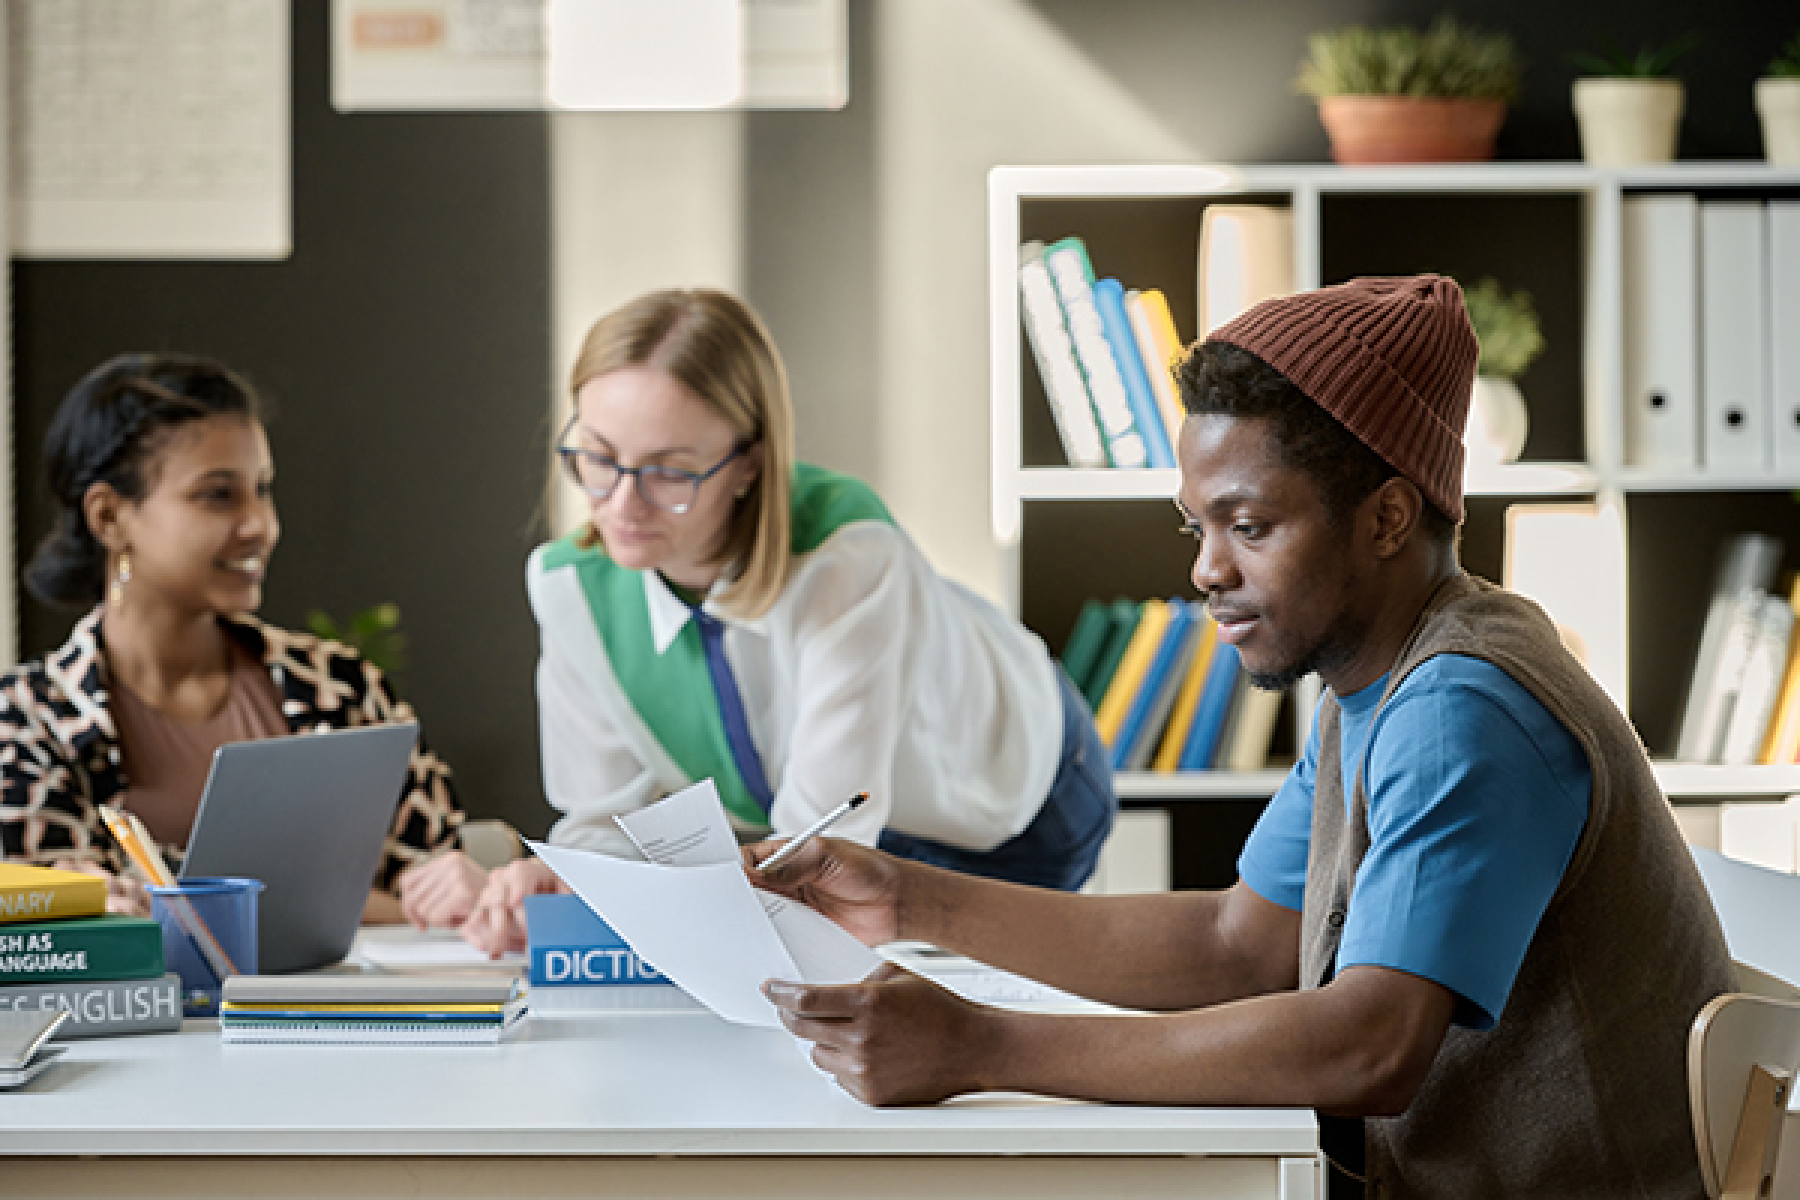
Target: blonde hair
<point>714,345</point>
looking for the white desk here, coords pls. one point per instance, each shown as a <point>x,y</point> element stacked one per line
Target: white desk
<point>665,1105</point>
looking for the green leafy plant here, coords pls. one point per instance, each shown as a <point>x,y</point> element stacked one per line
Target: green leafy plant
<point>1646,62</point>
<point>1786,64</point>
<point>373,633</point>
<point>1506,325</point>
<point>1445,61</point>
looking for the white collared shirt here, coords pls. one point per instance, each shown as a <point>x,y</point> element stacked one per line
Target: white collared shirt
<point>871,672</point>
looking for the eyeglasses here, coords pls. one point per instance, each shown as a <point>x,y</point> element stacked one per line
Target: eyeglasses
<point>671,489</point>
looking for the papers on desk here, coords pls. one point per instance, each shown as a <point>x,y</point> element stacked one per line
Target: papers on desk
<point>690,912</point>
<point>403,948</point>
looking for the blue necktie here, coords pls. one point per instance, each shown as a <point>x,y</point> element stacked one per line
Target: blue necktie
<point>731,708</point>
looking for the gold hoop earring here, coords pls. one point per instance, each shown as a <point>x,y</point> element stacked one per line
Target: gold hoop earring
<point>120,578</point>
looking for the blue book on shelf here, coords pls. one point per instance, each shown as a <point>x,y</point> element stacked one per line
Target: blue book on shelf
<point>570,944</point>
<point>1210,713</point>
<point>1155,694</point>
<point>1109,298</point>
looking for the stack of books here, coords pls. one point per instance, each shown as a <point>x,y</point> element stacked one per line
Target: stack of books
<point>61,951</point>
<point>581,967</point>
<point>1167,694</point>
<point>428,1010</point>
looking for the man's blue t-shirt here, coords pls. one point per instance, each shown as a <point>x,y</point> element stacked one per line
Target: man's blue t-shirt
<point>1477,797</point>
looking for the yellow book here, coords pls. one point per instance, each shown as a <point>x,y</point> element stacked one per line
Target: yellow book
<point>39,893</point>
<point>1181,717</point>
<point>1132,669</point>
<point>1782,746</point>
<point>1151,318</point>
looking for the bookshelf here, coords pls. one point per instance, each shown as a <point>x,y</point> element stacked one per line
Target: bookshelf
<point>1555,229</point>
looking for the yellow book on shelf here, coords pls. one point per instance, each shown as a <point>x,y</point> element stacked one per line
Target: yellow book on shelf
<point>30,893</point>
<point>1782,745</point>
<point>1181,717</point>
<point>1160,347</point>
<point>1132,668</point>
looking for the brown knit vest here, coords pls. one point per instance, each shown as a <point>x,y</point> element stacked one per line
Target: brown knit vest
<point>1580,1089</point>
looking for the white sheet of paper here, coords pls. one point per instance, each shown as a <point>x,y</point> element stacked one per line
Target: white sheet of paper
<point>689,828</point>
<point>700,926</point>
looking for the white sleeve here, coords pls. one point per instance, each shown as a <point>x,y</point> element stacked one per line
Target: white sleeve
<point>855,608</point>
<point>592,769</point>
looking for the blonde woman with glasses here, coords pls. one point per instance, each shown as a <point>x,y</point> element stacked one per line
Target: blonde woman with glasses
<point>728,613</point>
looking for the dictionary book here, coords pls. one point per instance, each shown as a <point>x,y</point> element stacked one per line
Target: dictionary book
<point>105,947</point>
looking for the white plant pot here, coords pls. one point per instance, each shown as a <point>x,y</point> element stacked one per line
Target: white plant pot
<point>1778,104</point>
<point>1626,122</point>
<point>1498,422</point>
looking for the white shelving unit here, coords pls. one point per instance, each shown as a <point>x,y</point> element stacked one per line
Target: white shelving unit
<point>1599,472</point>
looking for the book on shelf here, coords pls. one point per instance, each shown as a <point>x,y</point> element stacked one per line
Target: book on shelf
<point>1661,265</point>
<point>1161,348</point>
<point>1746,570</point>
<point>1734,336</point>
<point>1122,617</point>
<point>1245,744</point>
<point>1153,619</point>
<point>1149,710</point>
<point>1134,372</point>
<point>1187,697</point>
<point>1073,275</point>
<point>1054,352</point>
<point>1086,640</point>
<point>110,946</point>
<point>102,1008</point>
<point>1246,257</point>
<point>1784,319</point>
<point>1764,664</point>
<point>1202,743</point>
<point>1782,745</point>
<point>29,893</point>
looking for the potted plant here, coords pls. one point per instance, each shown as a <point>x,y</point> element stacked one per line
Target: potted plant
<point>1628,107</point>
<point>1506,326</point>
<point>1778,104</point>
<point>1396,95</point>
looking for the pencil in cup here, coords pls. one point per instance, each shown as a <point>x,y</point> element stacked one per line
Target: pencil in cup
<point>140,848</point>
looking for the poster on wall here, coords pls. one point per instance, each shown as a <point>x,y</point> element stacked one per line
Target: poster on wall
<point>149,129</point>
<point>474,55</point>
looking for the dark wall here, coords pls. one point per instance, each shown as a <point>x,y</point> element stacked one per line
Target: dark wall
<point>406,347</point>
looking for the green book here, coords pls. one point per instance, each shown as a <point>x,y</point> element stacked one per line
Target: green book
<point>108,947</point>
<point>1123,618</point>
<point>1085,642</point>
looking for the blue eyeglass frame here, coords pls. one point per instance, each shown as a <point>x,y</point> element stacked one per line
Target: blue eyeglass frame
<point>570,455</point>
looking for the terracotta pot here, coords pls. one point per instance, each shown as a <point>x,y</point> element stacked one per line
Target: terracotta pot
<point>1778,104</point>
<point>1410,129</point>
<point>1628,122</point>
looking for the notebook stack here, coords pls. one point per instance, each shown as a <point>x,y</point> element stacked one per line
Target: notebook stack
<point>60,951</point>
<point>411,1010</point>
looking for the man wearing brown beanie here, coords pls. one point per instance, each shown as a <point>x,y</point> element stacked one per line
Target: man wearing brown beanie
<point>1467,918</point>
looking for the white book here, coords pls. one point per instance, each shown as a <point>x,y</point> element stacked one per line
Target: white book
<point>1784,330</point>
<point>1662,331</point>
<point>1734,340</point>
<point>1764,665</point>
<point>1747,567</point>
<point>1075,288</point>
<point>1246,257</point>
<point>1054,352</point>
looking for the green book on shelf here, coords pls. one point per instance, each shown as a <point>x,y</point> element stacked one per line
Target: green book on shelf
<point>1086,640</point>
<point>1122,622</point>
<point>105,947</point>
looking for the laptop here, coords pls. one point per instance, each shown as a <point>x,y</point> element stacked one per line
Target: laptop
<point>307,815</point>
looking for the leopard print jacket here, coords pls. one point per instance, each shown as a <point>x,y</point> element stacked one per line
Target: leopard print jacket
<point>60,759</point>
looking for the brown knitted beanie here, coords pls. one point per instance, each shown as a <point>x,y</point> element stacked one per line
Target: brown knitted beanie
<point>1392,359</point>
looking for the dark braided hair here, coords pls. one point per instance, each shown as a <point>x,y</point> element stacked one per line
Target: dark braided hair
<point>109,429</point>
<point>1218,377</point>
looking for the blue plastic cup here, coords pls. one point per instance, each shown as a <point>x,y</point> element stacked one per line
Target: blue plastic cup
<point>209,934</point>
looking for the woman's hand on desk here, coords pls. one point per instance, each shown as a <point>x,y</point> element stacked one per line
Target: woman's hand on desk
<point>497,923</point>
<point>895,1038</point>
<point>441,891</point>
<point>855,886</point>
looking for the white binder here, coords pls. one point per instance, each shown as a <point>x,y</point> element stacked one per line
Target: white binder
<point>1734,339</point>
<point>1662,331</point>
<point>1784,330</point>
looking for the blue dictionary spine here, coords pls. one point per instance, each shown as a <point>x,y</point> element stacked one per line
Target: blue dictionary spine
<point>1109,298</point>
<point>570,944</point>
